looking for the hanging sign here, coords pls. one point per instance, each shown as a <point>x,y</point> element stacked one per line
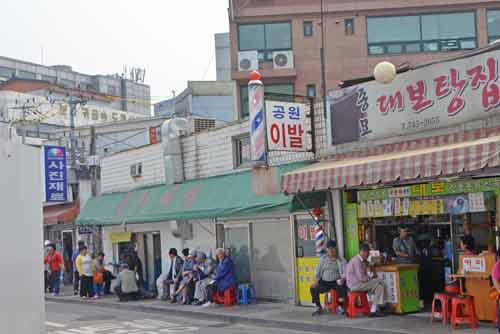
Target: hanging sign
<point>286,123</point>
<point>56,178</point>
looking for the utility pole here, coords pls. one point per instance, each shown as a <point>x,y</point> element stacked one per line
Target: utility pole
<point>323,60</point>
<point>94,171</point>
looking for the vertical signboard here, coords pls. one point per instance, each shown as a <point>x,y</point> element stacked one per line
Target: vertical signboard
<point>285,124</point>
<point>257,122</point>
<point>56,182</point>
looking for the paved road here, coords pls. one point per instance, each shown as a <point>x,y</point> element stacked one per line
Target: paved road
<point>63,318</point>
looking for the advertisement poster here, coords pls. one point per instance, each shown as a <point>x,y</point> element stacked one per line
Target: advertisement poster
<point>56,183</point>
<point>456,205</point>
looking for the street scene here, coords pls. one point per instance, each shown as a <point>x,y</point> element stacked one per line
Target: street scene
<point>249,166</point>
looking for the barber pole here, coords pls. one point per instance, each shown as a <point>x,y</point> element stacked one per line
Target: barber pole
<point>257,120</point>
<point>319,233</point>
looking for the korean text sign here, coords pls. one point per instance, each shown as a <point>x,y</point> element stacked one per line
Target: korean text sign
<point>56,183</point>
<point>431,97</point>
<point>286,124</point>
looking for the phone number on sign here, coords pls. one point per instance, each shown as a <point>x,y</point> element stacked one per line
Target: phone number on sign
<point>418,124</point>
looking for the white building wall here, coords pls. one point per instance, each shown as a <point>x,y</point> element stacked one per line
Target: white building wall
<point>115,169</point>
<point>22,302</point>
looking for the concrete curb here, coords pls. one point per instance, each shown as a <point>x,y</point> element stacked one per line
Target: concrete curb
<point>241,319</point>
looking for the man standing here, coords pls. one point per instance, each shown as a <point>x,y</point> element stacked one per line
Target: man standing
<point>358,279</point>
<point>224,276</point>
<point>55,263</point>
<point>174,275</point>
<point>86,269</point>
<point>404,247</point>
<point>329,274</point>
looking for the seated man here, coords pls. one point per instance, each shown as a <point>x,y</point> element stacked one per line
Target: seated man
<point>126,286</point>
<point>173,277</point>
<point>358,279</point>
<point>187,284</point>
<point>224,276</point>
<point>203,270</point>
<point>329,274</point>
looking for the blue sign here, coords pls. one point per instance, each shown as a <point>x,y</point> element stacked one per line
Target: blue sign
<point>56,175</point>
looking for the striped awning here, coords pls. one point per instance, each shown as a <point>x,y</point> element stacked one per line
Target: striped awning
<point>407,165</point>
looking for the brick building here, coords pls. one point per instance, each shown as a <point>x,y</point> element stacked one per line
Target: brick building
<point>357,35</point>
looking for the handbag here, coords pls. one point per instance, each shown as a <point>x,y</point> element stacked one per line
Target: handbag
<point>98,278</point>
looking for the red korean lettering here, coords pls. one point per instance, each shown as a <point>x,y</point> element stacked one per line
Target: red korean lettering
<point>418,100</point>
<point>457,103</point>
<point>442,86</point>
<point>295,134</point>
<point>278,134</point>
<point>390,103</point>
<point>312,232</point>
<point>302,232</point>
<point>478,76</point>
<point>491,91</point>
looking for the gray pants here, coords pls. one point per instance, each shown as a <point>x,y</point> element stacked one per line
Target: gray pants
<point>375,286</point>
<point>200,290</point>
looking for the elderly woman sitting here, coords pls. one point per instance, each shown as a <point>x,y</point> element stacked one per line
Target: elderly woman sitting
<point>204,271</point>
<point>224,276</point>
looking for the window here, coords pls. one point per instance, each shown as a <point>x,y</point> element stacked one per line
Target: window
<point>421,33</point>
<point>308,28</point>
<point>285,89</point>
<point>311,90</point>
<point>6,72</point>
<point>26,75</point>
<point>242,151</point>
<point>265,38</point>
<point>493,25</point>
<point>349,26</point>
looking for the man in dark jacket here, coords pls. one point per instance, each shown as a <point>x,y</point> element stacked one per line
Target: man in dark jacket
<point>174,275</point>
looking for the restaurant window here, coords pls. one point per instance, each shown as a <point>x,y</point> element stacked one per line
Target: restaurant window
<point>311,90</point>
<point>421,33</point>
<point>281,91</point>
<point>308,28</point>
<point>349,26</point>
<point>265,38</point>
<point>493,25</point>
<point>242,151</point>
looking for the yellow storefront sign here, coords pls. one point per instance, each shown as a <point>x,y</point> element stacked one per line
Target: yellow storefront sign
<point>305,276</point>
<point>427,207</point>
<point>117,237</point>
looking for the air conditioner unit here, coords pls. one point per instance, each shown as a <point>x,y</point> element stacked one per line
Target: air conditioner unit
<point>182,229</point>
<point>136,170</point>
<point>248,60</point>
<point>282,59</point>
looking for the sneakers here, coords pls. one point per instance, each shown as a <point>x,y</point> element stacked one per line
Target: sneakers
<point>319,311</point>
<point>207,304</point>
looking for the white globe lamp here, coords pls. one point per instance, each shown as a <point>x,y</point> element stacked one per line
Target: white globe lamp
<point>384,72</point>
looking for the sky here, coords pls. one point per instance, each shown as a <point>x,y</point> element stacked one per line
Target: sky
<point>172,40</point>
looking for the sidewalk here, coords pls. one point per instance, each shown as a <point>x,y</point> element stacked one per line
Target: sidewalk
<point>283,316</point>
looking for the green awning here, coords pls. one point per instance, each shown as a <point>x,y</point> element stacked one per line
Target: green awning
<point>214,197</point>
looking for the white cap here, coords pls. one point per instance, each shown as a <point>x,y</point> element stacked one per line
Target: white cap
<point>47,242</point>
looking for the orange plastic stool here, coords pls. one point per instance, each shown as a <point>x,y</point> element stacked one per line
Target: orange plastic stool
<point>228,298</point>
<point>452,289</point>
<point>332,305</point>
<point>352,309</point>
<point>444,300</point>
<point>459,302</point>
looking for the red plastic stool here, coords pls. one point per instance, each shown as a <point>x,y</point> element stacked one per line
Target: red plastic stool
<point>444,300</point>
<point>332,305</point>
<point>457,316</point>
<point>229,297</point>
<point>452,289</point>
<point>352,309</point>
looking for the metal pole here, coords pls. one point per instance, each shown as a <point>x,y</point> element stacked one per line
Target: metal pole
<point>323,60</point>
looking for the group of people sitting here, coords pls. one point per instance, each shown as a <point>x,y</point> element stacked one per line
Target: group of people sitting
<point>196,278</point>
<point>335,273</point>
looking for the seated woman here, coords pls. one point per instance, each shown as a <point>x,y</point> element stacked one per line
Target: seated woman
<point>187,283</point>
<point>224,276</point>
<point>204,273</point>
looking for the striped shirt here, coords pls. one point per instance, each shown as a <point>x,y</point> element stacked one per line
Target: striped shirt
<point>329,269</point>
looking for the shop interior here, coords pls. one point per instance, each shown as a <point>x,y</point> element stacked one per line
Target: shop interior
<point>437,225</point>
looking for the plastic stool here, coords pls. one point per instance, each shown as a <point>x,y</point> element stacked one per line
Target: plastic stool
<point>352,309</point>
<point>333,304</point>
<point>246,294</point>
<point>452,289</point>
<point>228,298</point>
<point>457,317</point>
<point>444,300</point>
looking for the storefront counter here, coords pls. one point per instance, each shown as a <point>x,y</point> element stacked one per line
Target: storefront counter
<point>401,286</point>
<point>474,275</point>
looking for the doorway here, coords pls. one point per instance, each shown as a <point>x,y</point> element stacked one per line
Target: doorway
<point>237,244</point>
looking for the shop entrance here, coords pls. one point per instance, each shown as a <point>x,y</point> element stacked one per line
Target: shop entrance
<point>237,242</point>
